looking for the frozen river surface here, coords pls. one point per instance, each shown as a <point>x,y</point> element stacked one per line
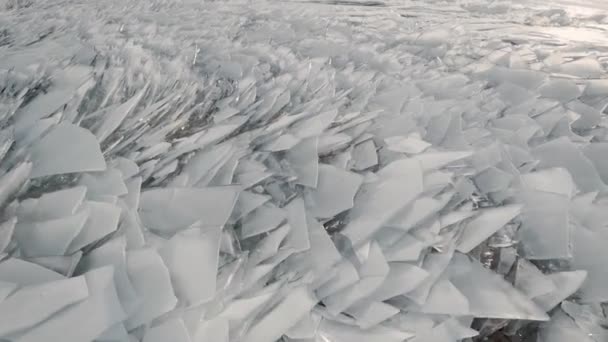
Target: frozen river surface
<point>303,171</point>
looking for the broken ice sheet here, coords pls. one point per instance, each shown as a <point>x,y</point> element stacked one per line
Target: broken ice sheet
<point>304,161</point>
<point>554,180</point>
<point>269,246</point>
<point>167,210</point>
<point>531,281</point>
<point>486,223</point>
<point>102,220</point>
<point>560,89</point>
<point>364,155</point>
<point>589,318</point>
<point>334,193</point>
<point>545,228</point>
<point>435,160</point>
<point>151,280</point>
<point>376,203</point>
<point>101,308</point>
<point>65,265</point>
<point>562,152</point>
<point>81,157</point>
<point>339,332</point>
<point>297,303</point>
<point>24,273</point>
<point>263,219</point>
<point>109,182</point>
<point>489,295</point>
<point>48,238</point>
<point>113,253</point>
<point>448,331</point>
<point>586,67</point>
<point>297,237</point>
<point>372,273</point>
<point>562,328</point>
<point>170,330</point>
<point>51,205</point>
<point>33,304</point>
<point>402,278</point>
<point>216,329</point>
<point>566,284</point>
<point>411,144</point>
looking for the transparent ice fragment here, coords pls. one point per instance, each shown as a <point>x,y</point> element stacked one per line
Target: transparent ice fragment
<point>334,193</point>
<point>263,219</point>
<point>586,67</point>
<point>596,153</point>
<point>401,279</point>
<point>167,210</point>
<point>101,308</point>
<point>364,155</point>
<point>151,280</point>
<point>33,304</point>
<point>127,167</point>
<point>589,116</point>
<point>192,259</point>
<point>488,222</point>
<point>560,89</point>
<point>555,180</point>
<point>296,304</point>
<point>102,220</point>
<point>489,295</point>
<point>562,152</point>
<point>408,248</point>
<point>304,160</point>
<point>111,120</point>
<point>422,209</point>
<point>170,330</point>
<point>372,274</point>
<point>51,205</point>
<point>531,281</point>
<point>445,299</point>
<point>246,203</point>
<point>340,332</point>
<point>492,180</point>
<point>399,183</point>
<point>525,78</point>
<point>412,144</point>
<point>65,265</point>
<point>322,254</point>
<point>216,329</point>
<point>562,328</point>
<point>113,253</point>
<point>435,160</point>
<point>204,165</point>
<point>369,314</point>
<point>512,94</point>
<point>109,182</point>
<point>56,153</point>
<point>240,309</point>
<point>49,238</point>
<point>589,318</point>
<point>434,264</point>
<point>343,276</point>
<point>545,228</point>
<point>25,273</point>
<point>269,246</point>
<point>297,237</point>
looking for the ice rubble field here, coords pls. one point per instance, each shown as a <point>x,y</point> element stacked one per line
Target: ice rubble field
<point>256,171</point>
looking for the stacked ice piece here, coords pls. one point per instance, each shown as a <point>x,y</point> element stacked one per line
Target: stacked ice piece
<point>298,182</point>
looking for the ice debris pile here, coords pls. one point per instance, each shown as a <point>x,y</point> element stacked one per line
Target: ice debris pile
<point>204,172</point>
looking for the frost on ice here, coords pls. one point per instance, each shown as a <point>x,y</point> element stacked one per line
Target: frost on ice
<point>202,171</point>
